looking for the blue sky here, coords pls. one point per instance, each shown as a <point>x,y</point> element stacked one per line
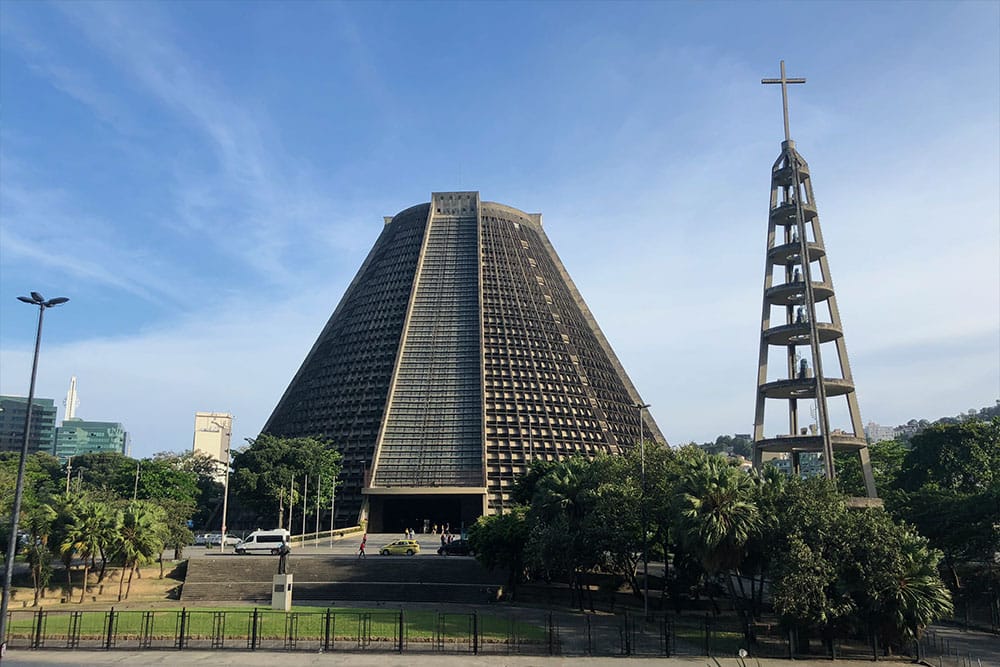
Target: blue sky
<point>204,179</point>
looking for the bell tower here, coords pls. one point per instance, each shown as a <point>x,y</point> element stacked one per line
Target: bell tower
<point>800,321</point>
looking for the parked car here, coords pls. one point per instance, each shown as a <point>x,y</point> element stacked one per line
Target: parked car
<point>400,547</point>
<point>215,539</point>
<point>456,548</point>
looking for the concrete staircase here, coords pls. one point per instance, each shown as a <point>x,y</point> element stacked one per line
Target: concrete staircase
<point>340,578</point>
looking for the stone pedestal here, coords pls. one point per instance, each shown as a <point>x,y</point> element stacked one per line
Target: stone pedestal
<point>281,592</point>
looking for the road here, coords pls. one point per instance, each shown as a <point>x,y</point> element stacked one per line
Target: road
<point>345,546</point>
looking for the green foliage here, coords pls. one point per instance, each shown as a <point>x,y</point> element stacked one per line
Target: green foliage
<point>41,474</point>
<point>175,533</point>
<point>524,486</point>
<point>498,542</point>
<point>263,471</point>
<point>887,457</point>
<point>90,531</point>
<point>38,524</point>
<point>141,536</point>
<point>834,566</point>
<point>891,575</point>
<point>715,515</point>
<point>830,568</point>
<point>108,474</point>
<point>164,479</point>
<point>960,457</point>
<point>207,473</point>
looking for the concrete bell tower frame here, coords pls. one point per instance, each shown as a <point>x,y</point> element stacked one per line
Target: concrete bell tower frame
<point>799,294</point>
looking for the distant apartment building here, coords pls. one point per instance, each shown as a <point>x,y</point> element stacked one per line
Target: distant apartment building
<point>80,436</point>
<point>13,410</point>
<point>810,464</point>
<point>212,432</point>
<point>877,433</point>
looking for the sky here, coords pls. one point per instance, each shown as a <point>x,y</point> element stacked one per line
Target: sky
<point>203,180</point>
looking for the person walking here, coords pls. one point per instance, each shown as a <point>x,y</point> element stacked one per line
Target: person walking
<point>361,549</point>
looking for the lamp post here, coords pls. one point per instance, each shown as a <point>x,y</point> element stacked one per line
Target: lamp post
<point>645,557</point>
<point>35,299</point>
<point>225,486</point>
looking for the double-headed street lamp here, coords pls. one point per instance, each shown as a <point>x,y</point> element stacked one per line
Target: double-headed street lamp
<point>645,557</point>
<point>35,299</point>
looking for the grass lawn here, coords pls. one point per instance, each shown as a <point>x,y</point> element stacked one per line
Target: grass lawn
<point>310,623</point>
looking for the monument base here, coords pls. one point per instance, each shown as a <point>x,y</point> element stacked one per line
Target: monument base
<point>281,592</point>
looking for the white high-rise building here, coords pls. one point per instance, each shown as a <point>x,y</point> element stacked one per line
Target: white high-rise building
<point>212,432</point>
<point>72,400</point>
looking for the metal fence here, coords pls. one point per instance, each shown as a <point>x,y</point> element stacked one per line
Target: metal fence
<point>948,649</point>
<point>526,631</point>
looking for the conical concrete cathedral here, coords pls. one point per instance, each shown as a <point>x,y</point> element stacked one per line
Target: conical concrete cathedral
<point>460,352</point>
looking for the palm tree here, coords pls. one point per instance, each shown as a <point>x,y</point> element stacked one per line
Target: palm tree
<point>39,526</point>
<point>716,518</point>
<point>83,536</point>
<point>140,538</point>
<point>562,501</point>
<point>107,527</point>
<point>716,514</point>
<point>919,597</point>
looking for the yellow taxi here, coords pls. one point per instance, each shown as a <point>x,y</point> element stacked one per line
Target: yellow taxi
<point>400,548</point>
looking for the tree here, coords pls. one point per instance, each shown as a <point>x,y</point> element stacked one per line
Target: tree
<point>165,479</point>
<point>263,472</point>
<point>963,526</point>
<point>887,457</point>
<point>569,534</point>
<point>108,473</point>
<point>39,526</point>
<point>176,534</point>
<point>140,539</point>
<point>961,457</point>
<point>208,475</point>
<point>891,575</point>
<point>806,587</point>
<point>769,489</point>
<point>498,542</point>
<point>41,482</point>
<point>716,519</point>
<point>84,536</point>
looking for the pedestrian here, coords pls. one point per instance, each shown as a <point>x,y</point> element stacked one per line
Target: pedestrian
<point>443,541</point>
<point>361,549</point>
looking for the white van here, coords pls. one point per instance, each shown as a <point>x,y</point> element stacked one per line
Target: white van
<point>265,542</point>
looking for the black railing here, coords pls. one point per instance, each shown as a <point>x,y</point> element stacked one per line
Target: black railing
<point>524,631</point>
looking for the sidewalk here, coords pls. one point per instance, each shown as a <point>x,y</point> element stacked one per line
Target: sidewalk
<point>231,658</point>
<point>981,645</point>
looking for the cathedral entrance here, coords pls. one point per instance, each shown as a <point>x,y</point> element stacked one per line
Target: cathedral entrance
<point>398,512</point>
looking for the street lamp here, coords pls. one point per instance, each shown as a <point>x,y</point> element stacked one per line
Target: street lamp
<point>645,557</point>
<point>225,486</point>
<point>35,299</point>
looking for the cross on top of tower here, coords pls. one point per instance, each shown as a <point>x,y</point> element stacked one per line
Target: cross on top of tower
<point>784,81</point>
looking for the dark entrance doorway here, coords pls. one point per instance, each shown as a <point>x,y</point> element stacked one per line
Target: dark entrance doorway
<point>394,514</point>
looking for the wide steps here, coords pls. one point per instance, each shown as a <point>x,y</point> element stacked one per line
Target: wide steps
<point>381,578</point>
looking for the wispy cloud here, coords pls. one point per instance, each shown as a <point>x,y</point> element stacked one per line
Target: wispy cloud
<point>38,227</point>
<point>240,361</point>
<point>253,202</point>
